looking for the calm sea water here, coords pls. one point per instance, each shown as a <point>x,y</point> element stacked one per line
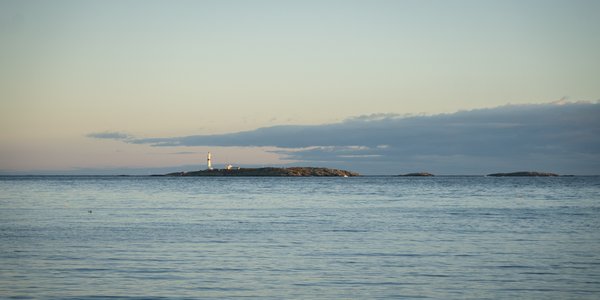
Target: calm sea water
<point>308,238</point>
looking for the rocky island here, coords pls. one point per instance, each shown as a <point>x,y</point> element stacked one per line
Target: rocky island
<point>523,174</point>
<point>419,174</point>
<point>271,172</point>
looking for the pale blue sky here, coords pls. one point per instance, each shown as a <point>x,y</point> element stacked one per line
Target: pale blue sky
<point>177,68</point>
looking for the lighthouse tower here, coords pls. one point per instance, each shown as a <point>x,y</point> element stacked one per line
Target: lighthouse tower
<point>208,162</point>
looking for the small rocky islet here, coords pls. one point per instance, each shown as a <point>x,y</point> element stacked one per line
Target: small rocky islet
<point>418,174</point>
<point>271,172</point>
<point>524,174</point>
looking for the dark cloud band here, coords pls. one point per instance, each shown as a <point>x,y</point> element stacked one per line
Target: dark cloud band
<point>511,135</point>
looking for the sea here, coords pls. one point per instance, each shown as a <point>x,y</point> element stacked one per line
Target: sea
<point>443,237</point>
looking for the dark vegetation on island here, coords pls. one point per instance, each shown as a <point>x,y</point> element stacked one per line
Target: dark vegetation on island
<point>523,174</point>
<point>419,174</point>
<point>272,172</point>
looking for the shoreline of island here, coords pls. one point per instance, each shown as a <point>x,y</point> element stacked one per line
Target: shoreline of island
<point>297,172</point>
<point>324,172</point>
<point>269,172</point>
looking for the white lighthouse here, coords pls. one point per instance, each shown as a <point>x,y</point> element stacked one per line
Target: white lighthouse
<point>208,162</point>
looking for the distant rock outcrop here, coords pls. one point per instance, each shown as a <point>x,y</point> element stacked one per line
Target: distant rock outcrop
<point>419,174</point>
<point>273,172</point>
<point>523,174</point>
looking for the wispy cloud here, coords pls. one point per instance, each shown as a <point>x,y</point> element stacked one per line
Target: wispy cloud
<point>548,136</point>
<point>111,135</point>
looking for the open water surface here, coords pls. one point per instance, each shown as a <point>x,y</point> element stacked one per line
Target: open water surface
<point>307,238</point>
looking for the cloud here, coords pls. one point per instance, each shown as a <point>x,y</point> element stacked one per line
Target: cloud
<point>555,137</point>
<point>109,135</point>
<point>183,153</point>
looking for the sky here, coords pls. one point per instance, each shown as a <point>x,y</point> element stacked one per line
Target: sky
<point>378,87</point>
